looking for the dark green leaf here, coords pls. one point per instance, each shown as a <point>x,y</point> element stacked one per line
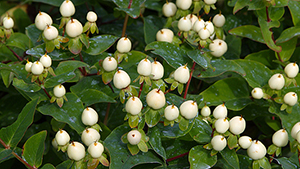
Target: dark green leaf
<point>92,96</point>
<point>230,157</point>
<point>19,40</point>
<point>253,5</point>
<point>201,131</point>
<point>4,154</point>
<point>34,149</point>
<point>267,34</point>
<point>21,20</point>
<point>152,117</point>
<point>69,113</point>
<point>294,7</point>
<point>265,57</point>
<point>234,47</point>
<point>200,158</point>
<point>281,3</point>
<point>132,8</point>
<point>199,57</point>
<point>155,142</point>
<point>101,43</point>
<point>59,79</point>
<point>245,161</point>
<point>288,34</point>
<point>48,166</point>
<point>288,49</point>
<point>174,132</point>
<point>57,3</point>
<point>152,24</point>
<point>68,66</point>
<point>248,31</point>
<point>13,134</point>
<point>33,33</point>
<point>286,163</point>
<point>20,84</point>
<point>74,45</point>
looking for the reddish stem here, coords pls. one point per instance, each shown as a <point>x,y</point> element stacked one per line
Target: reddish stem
<point>91,74</point>
<point>5,62</point>
<point>111,87</point>
<point>168,91</point>
<point>299,156</point>
<point>83,68</point>
<point>271,158</point>
<point>212,133</point>
<point>268,17</point>
<point>106,114</point>
<point>188,83</point>
<point>21,59</point>
<point>47,93</point>
<point>130,2</point>
<point>141,88</point>
<point>4,144</point>
<point>176,157</point>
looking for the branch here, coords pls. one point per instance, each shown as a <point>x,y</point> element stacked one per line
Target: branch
<point>20,58</point>
<point>141,88</point>
<point>176,157</point>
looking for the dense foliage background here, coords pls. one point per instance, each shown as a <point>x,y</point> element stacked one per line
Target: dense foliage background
<point>262,38</point>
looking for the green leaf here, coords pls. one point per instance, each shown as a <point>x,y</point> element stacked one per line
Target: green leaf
<point>92,96</point>
<point>48,166</point>
<point>101,43</point>
<point>66,164</point>
<point>201,131</point>
<point>120,156</point>
<point>34,149</point>
<point>33,33</point>
<point>69,113</point>
<point>200,158</point>
<point>265,57</point>
<point>155,142</point>
<point>174,132</point>
<point>56,54</point>
<point>267,34</point>
<point>132,8</point>
<point>253,5</point>
<point>288,34</point>
<point>230,157</point>
<point>152,117</point>
<point>19,40</point>
<point>56,80</point>
<point>232,141</point>
<point>68,66</point>
<point>234,47</point>
<point>20,84</point>
<point>248,31</point>
<point>286,163</point>
<point>294,7</point>
<point>199,57</point>
<point>264,163</point>
<point>5,154</point>
<point>288,49</point>
<point>57,3</point>
<point>152,24</point>
<point>173,55</point>
<point>13,134</point>
<point>233,91</point>
<point>74,45</point>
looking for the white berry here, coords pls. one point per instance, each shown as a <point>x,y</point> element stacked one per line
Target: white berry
<point>28,66</point>
<point>205,111</point>
<point>121,79</point>
<point>134,137</point>
<point>124,45</point>
<point>169,9</point>
<point>298,137</point>
<point>59,90</point>
<point>109,64</point>
<point>189,109</point>
<point>218,47</point>
<point>157,70</point>
<point>193,18</point>
<point>220,111</point>
<point>144,67</point>
<point>204,33</point>
<point>74,28</point>
<point>295,130</point>
<point>91,16</point>
<point>42,19</point>
<point>219,20</point>
<point>182,74</point>
<point>165,35</point>
<point>245,142</point>
<point>46,60</point>
<point>198,25</point>
<point>210,26</point>
<point>184,24</point>
<point>171,112</point>
<point>210,2</point>
<point>54,143</point>
<point>76,151</point>
<point>218,142</point>
<point>90,136</point>
<point>8,22</point>
<point>96,149</point>
<point>237,125</point>
<point>67,8</point>
<point>257,150</point>
<point>62,137</point>
<point>156,99</point>
<point>291,70</point>
<point>37,68</point>
<point>89,116</point>
<point>290,98</point>
<point>276,81</point>
<point>133,105</point>
<point>184,4</point>
<point>50,32</point>
<point>257,93</point>
<point>222,125</point>
<point>280,138</point>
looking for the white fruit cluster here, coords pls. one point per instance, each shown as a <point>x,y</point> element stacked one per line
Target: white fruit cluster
<point>169,9</point>
<point>255,149</point>
<point>91,16</point>
<point>74,28</point>
<point>67,8</point>
<point>42,19</point>
<point>188,109</point>
<point>121,79</point>
<point>38,67</point>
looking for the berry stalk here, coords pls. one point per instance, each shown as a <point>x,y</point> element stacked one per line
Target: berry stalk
<point>188,83</point>
<point>141,88</point>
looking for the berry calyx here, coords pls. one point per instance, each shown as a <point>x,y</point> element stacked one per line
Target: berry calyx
<point>144,67</point>
<point>133,105</point>
<point>220,111</point>
<point>89,116</point>
<point>183,4</point>
<point>205,111</point>
<point>8,22</point>
<point>62,137</point>
<point>42,19</point>
<point>218,47</point>
<point>290,98</point>
<point>96,149</point>
<point>46,60</point>
<point>67,8</point>
<point>28,66</point>
<point>156,99</point>
<point>90,136</point>
<point>171,112</point>
<point>280,138</point>
<point>245,142</point>
<point>109,64</point>
<point>218,142</point>
<point>257,93</point>
<point>257,150</point>
<point>165,35</point>
<point>76,151</point>
<point>184,24</point>
<point>124,45</point>
<point>121,79</point>
<point>169,9</point>
<point>182,74</point>
<point>74,28</point>
<point>91,16</point>
<point>50,32</point>
<point>237,125</point>
<point>59,91</point>
<point>189,109</point>
<point>291,70</point>
<point>157,70</point>
<point>276,81</point>
<point>37,68</point>
<point>219,20</point>
<point>134,137</point>
<point>222,125</point>
<point>295,130</point>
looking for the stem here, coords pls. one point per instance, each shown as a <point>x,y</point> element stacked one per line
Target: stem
<point>106,114</point>
<point>141,88</point>
<point>212,133</point>
<point>168,91</point>
<point>188,83</point>
<point>176,157</point>
<point>24,162</point>
<point>47,93</point>
<point>83,68</point>
<point>91,74</point>
<point>4,144</point>
<point>271,158</point>
<point>299,156</point>
<point>111,87</point>
<point>21,59</point>
<point>125,25</point>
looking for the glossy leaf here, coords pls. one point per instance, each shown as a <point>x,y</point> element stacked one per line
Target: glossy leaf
<point>68,66</point>
<point>48,166</point>
<point>234,47</point>
<point>253,5</point>
<point>92,96</point>
<point>5,154</point>
<point>132,8</point>
<point>152,117</point>
<point>288,34</point>
<point>152,24</point>
<point>19,40</point>
<point>265,57</point>
<point>20,84</point>
<point>200,158</point>
<point>267,34</point>
<point>120,156</point>
<point>33,33</point>
<point>12,135</point>
<point>201,131</point>
<point>288,49</point>
<point>34,149</point>
<point>56,80</point>
<point>294,7</point>
<point>155,142</point>
<point>57,3</point>
<point>199,57</point>
<point>248,31</point>
<point>70,113</point>
<point>101,43</point>
<point>174,132</point>
<point>230,157</point>
<point>286,163</point>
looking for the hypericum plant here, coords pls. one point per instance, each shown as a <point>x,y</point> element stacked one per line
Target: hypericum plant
<point>112,68</point>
